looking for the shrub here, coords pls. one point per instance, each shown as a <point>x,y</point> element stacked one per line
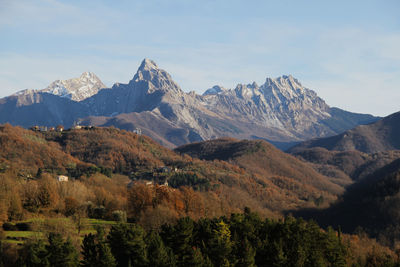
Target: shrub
<point>119,216</point>
<point>23,226</point>
<point>97,212</point>
<point>9,227</point>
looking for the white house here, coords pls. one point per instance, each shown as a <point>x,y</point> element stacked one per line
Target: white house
<point>62,178</point>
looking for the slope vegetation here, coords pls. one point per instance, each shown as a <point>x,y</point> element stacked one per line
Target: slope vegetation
<point>214,187</point>
<point>348,166</point>
<point>273,167</point>
<point>371,205</point>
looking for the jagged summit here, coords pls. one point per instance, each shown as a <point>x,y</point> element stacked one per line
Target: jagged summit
<point>88,75</point>
<point>253,85</point>
<point>287,88</point>
<point>154,77</point>
<point>77,89</point>
<point>216,89</point>
<point>284,81</point>
<point>148,64</point>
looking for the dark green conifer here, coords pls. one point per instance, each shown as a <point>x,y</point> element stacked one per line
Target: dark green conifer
<point>127,245</point>
<point>158,254</point>
<point>36,254</point>
<point>60,253</point>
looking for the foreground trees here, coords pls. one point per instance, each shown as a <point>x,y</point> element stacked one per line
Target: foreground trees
<point>58,252</point>
<point>240,240</point>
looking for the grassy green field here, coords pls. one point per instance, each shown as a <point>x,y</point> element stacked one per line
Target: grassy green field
<point>19,237</point>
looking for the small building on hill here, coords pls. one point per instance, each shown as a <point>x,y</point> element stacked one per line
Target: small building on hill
<point>43,128</point>
<point>138,131</point>
<point>164,169</point>
<point>62,178</point>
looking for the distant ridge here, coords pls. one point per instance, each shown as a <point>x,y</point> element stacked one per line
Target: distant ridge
<point>383,135</point>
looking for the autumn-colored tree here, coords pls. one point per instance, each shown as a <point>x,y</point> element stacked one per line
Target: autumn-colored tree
<point>140,197</point>
<point>71,206</point>
<point>47,194</point>
<point>193,202</point>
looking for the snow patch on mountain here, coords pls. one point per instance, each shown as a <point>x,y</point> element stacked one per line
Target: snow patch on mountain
<point>77,89</point>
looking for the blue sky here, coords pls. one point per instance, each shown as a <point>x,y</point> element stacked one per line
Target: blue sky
<point>347,51</point>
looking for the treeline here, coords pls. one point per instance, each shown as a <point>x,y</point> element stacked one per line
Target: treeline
<point>240,240</point>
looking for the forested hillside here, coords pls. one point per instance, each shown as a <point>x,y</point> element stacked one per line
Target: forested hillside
<point>142,196</point>
<point>97,153</point>
<point>369,206</point>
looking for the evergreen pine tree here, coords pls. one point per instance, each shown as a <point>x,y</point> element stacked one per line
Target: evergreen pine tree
<point>196,259</point>
<point>36,254</point>
<point>246,254</point>
<point>335,250</point>
<point>127,245</point>
<point>89,251</point>
<point>158,254</point>
<point>220,245</point>
<point>60,253</point>
<point>96,252</point>
<point>180,238</point>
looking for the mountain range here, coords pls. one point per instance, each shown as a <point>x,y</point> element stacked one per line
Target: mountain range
<point>281,110</point>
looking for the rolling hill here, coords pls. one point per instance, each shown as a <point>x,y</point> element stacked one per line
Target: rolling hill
<point>272,166</point>
<point>383,135</point>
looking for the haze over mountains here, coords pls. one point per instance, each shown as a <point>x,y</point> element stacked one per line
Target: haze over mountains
<point>280,110</point>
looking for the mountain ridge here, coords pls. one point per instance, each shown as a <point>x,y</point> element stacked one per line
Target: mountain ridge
<point>281,110</point>
<point>77,89</point>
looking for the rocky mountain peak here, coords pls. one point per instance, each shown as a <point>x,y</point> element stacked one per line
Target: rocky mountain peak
<point>77,89</point>
<point>286,87</point>
<point>87,75</point>
<point>147,64</point>
<point>154,78</point>
<point>247,91</point>
<point>286,95</point>
<point>216,89</point>
<point>253,85</point>
<point>287,82</point>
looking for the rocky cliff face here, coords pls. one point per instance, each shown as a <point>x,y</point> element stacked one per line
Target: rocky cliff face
<point>279,110</point>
